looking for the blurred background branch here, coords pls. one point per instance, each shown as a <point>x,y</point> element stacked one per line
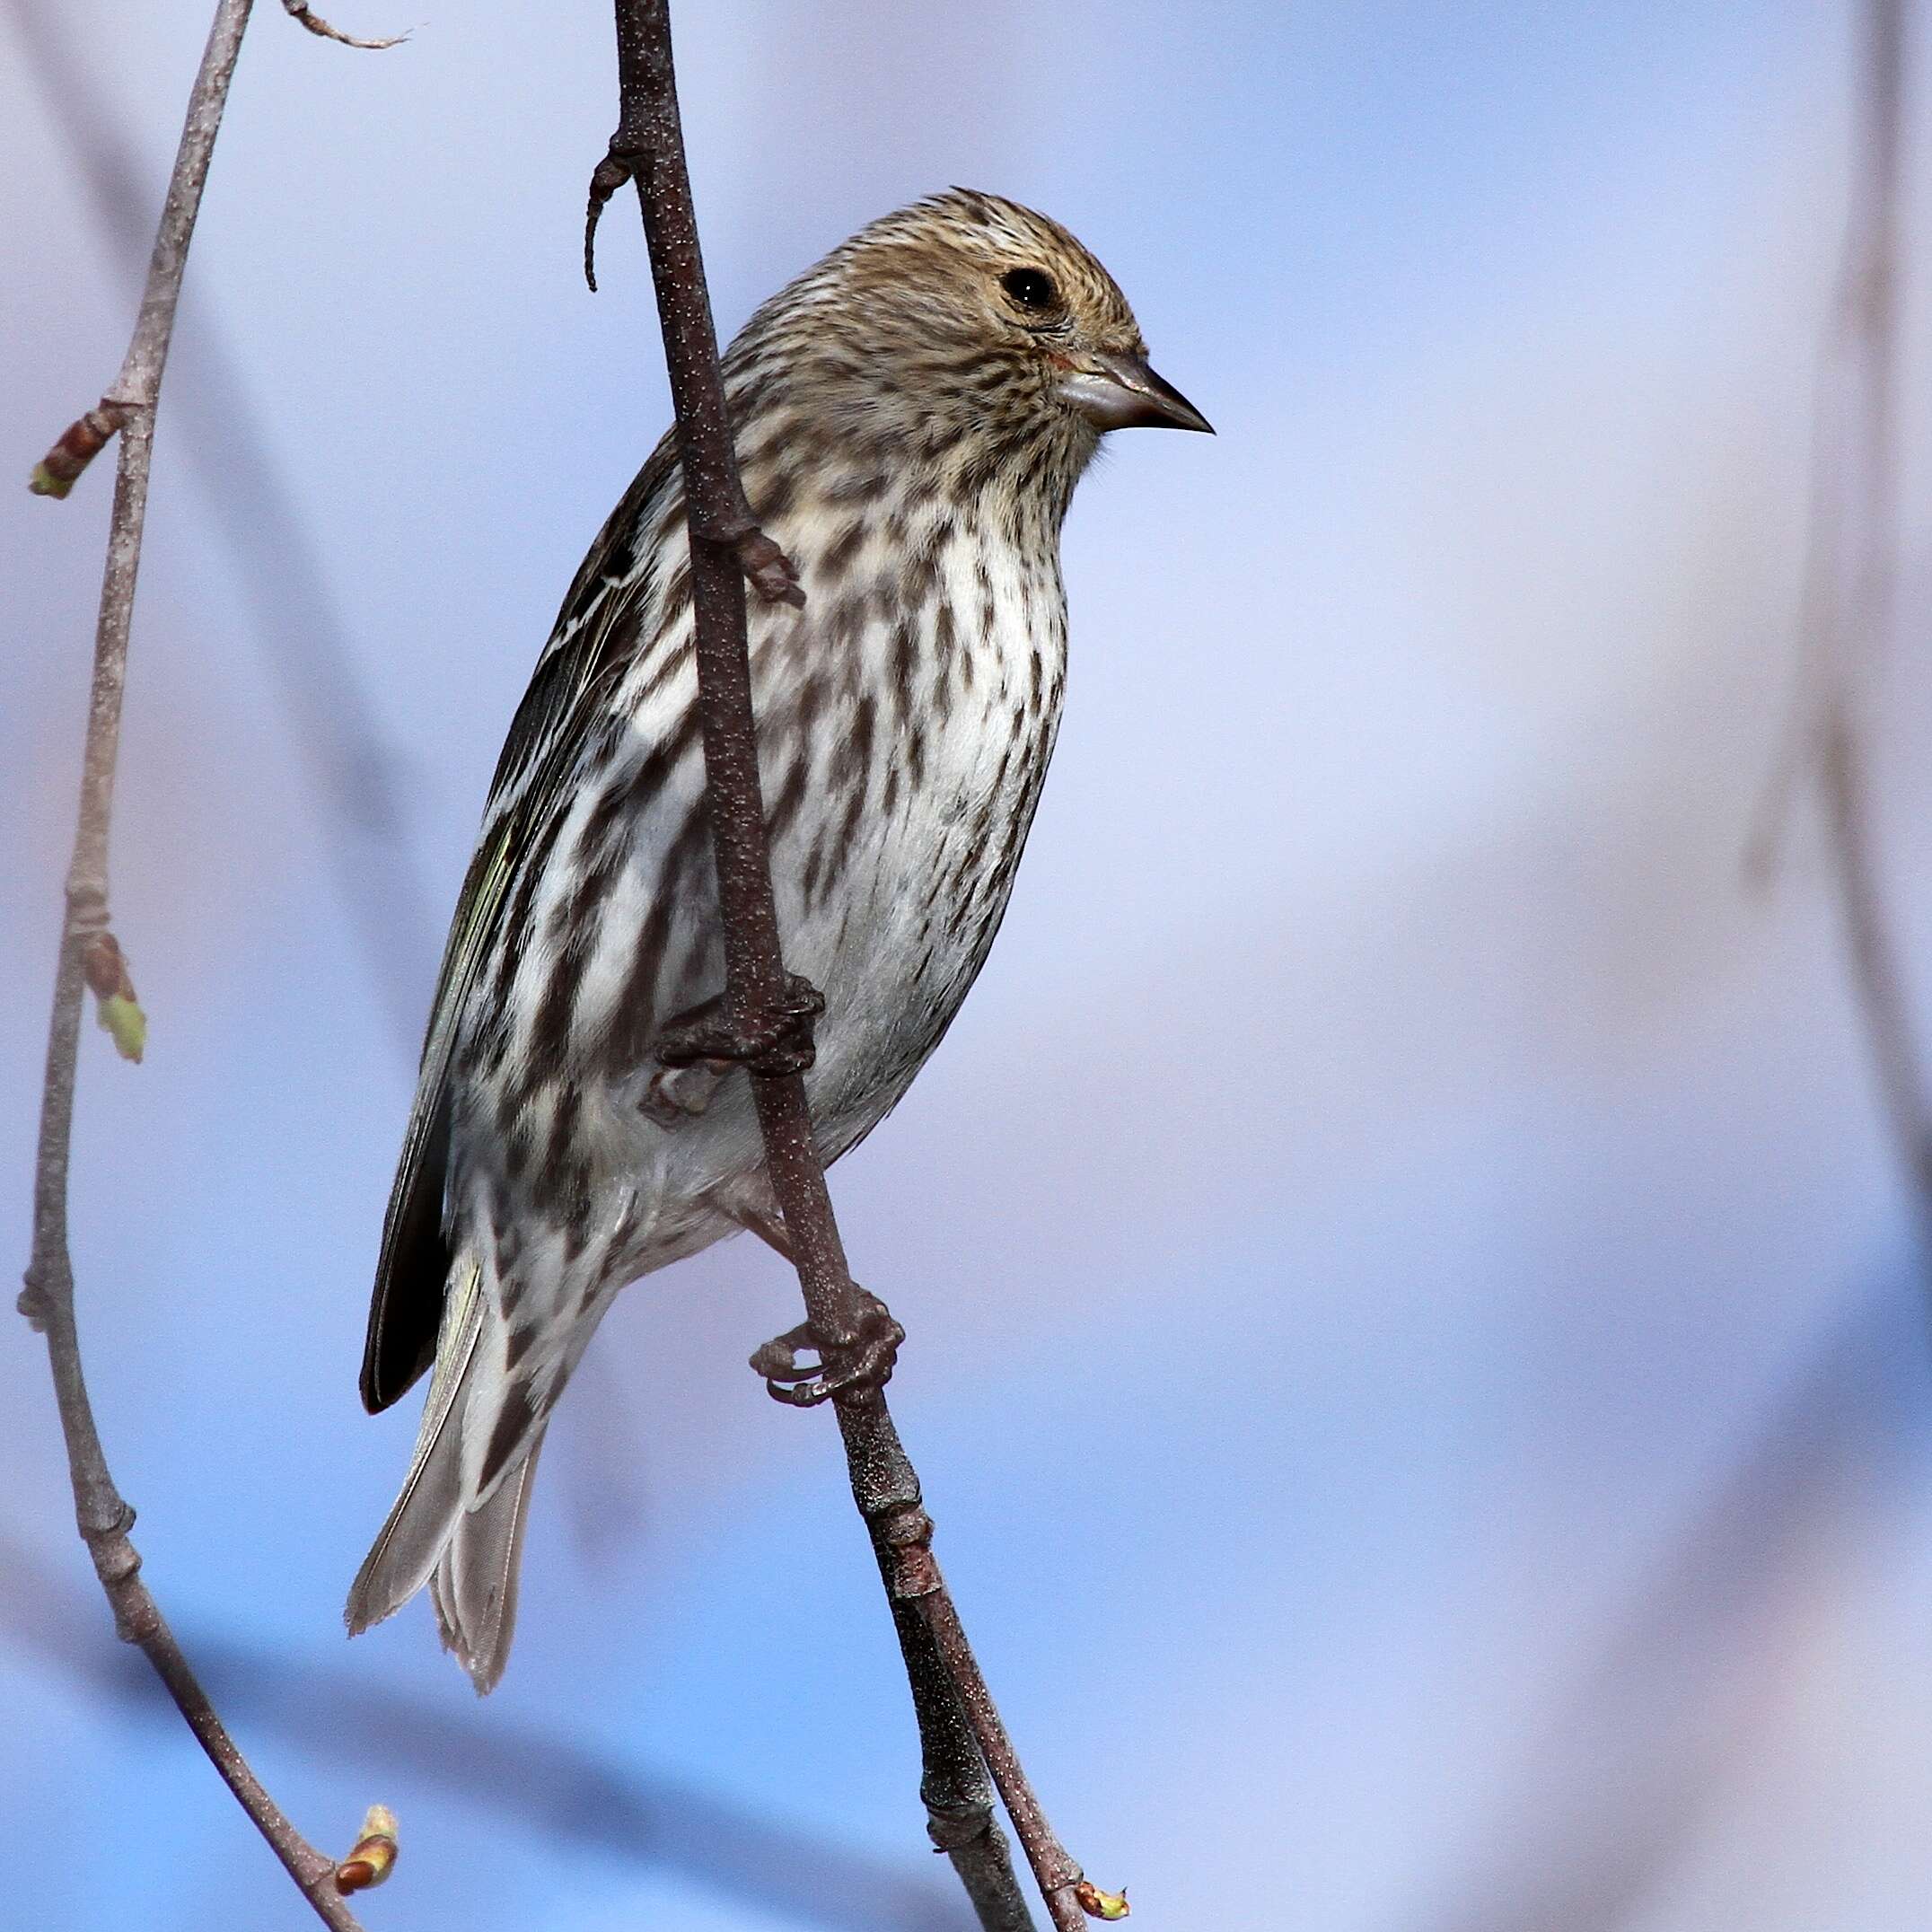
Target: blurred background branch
<point>512,1772</point>
<point>1634,1761</point>
<point>1847,605</point>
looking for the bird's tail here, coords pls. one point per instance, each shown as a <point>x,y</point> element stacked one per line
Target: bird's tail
<point>451,1529</point>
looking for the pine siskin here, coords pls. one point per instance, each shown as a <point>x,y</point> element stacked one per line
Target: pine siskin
<point>912,415</point>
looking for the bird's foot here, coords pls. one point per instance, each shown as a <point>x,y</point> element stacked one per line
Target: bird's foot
<point>865,1362</point>
<point>775,1039</point>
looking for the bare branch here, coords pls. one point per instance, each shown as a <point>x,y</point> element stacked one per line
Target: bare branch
<point>90,954</point>
<point>959,1723</point>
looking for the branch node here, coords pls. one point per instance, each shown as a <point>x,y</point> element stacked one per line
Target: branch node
<point>33,1302</point>
<point>77,445</point>
<point>87,903</point>
<point>902,1525</point>
<point>298,11</point>
<point>953,1826</point>
<point>770,571</point>
<point>102,1537</point>
<point>117,1563</point>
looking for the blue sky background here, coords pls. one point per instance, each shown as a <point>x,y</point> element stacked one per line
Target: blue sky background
<point>1414,1353</point>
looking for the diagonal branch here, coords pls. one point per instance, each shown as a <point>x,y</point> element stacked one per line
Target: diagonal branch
<point>960,1726</point>
<point>89,955</point>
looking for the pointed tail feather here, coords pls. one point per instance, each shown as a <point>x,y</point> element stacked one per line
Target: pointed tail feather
<point>450,1527</point>
<point>474,1586</point>
<point>411,1541</point>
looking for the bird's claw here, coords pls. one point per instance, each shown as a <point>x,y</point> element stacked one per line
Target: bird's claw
<point>775,1039</point>
<point>866,1362</point>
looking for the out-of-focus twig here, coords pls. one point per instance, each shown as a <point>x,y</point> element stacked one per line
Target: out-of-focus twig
<point>962,1732</point>
<point>87,945</point>
<point>1869,573</point>
<point>1638,1751</point>
<point>1634,1755</point>
<point>1846,613</point>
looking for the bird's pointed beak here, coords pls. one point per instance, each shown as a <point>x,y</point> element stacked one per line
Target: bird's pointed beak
<point>1121,392</point>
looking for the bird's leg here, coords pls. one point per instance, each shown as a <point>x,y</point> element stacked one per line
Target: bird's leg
<point>773,1039</point>
<point>866,1362</point>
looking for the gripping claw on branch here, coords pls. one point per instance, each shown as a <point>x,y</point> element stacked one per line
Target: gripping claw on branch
<point>772,574</point>
<point>774,1041</point>
<point>866,1362</point>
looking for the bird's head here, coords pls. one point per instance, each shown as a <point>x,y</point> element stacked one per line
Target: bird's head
<point>965,330</point>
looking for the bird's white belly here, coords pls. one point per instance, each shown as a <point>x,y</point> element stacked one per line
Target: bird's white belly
<point>893,936</point>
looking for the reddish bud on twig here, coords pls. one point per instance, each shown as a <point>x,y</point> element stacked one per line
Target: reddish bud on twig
<point>373,1855</point>
<point>80,442</point>
<point>1098,1904</point>
<point>107,978</point>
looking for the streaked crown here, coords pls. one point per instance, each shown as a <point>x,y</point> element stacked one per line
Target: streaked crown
<point>965,334</point>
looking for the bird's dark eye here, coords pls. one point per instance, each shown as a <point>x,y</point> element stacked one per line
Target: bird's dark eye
<point>1031,289</point>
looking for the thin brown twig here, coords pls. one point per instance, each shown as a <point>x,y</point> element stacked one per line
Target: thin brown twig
<point>298,11</point>
<point>103,1515</point>
<point>950,1693</point>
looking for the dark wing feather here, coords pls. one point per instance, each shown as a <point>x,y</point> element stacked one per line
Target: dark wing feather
<point>595,641</point>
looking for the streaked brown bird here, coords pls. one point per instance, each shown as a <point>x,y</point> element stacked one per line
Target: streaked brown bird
<point>911,416</point>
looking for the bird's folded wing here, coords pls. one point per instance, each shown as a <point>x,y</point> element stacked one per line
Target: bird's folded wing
<point>596,639</point>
